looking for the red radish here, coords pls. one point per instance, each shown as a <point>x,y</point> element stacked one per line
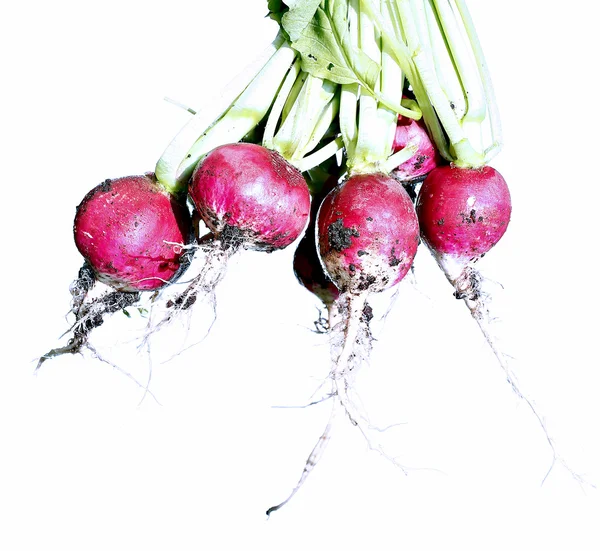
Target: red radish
<point>249,197</point>
<point>132,233</point>
<point>463,213</point>
<point>426,158</point>
<point>309,271</point>
<point>367,237</point>
<point>368,234</point>
<point>307,264</point>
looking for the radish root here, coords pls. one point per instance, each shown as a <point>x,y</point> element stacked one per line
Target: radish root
<point>351,342</point>
<point>89,313</point>
<point>217,254</point>
<point>468,287</point>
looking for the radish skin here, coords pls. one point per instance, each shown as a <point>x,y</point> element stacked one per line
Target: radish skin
<point>133,233</point>
<point>425,159</point>
<point>251,196</point>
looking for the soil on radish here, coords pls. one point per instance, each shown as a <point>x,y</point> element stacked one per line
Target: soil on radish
<point>90,313</point>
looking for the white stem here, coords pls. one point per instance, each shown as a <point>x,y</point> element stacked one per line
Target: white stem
<point>400,157</point>
<point>279,104</point>
<point>492,107</point>
<point>296,131</point>
<point>166,168</point>
<point>324,123</point>
<point>320,155</point>
<point>443,62</point>
<point>245,112</point>
<point>350,92</point>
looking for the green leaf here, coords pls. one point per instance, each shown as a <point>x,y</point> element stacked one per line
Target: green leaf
<point>276,10</point>
<point>327,52</point>
<point>298,16</point>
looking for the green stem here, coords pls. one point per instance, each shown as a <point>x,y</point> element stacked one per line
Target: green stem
<point>279,104</point>
<point>167,166</point>
<point>296,131</point>
<point>461,151</point>
<point>493,113</point>
<point>321,155</point>
<point>463,61</point>
<point>244,113</point>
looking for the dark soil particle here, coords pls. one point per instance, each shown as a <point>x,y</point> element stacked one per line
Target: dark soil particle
<point>362,253</point>
<point>440,222</point>
<point>367,314</point>
<point>419,161</point>
<point>89,315</point>
<point>231,236</point>
<point>352,268</point>
<point>366,282</point>
<point>369,219</point>
<point>106,185</point>
<point>339,236</point>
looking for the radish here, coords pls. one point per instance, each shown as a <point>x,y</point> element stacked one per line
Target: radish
<point>426,158</point>
<point>133,234</point>
<point>249,197</point>
<point>463,213</point>
<point>309,271</point>
<point>307,263</point>
<point>252,196</point>
<point>367,239</point>
<point>367,231</point>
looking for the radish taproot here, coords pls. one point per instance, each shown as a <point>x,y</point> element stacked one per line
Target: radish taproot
<point>133,234</point>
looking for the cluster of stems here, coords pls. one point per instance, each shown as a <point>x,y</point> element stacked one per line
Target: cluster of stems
<point>338,80</point>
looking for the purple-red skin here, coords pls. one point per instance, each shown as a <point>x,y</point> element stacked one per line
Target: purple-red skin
<point>125,228</point>
<point>251,194</point>
<point>367,233</point>
<point>463,212</point>
<point>307,264</point>
<point>425,159</point>
<point>309,272</point>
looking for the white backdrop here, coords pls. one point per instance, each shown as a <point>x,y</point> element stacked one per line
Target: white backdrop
<point>85,465</point>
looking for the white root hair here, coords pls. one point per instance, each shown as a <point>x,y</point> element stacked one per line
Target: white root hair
<point>350,343</point>
<point>203,285</point>
<point>467,283</point>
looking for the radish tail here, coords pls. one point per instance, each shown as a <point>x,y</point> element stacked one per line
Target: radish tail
<point>203,285</point>
<point>313,458</point>
<point>352,338</point>
<point>467,286</point>
<point>89,313</point>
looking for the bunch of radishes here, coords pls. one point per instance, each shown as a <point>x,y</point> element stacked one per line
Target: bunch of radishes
<point>355,104</point>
